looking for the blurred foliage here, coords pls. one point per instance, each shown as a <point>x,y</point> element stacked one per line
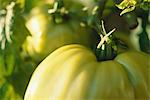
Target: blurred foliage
<point>127,6</point>
<point>7,91</point>
<point>14,69</point>
<point>4,3</point>
<point>130,5</point>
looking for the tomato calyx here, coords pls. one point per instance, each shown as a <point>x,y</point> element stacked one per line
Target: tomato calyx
<point>106,48</point>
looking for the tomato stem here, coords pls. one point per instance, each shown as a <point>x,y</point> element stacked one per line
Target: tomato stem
<point>106,48</point>
<point>104,38</point>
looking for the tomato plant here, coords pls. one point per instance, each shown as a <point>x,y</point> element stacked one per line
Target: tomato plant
<point>72,72</point>
<point>66,51</point>
<point>76,72</point>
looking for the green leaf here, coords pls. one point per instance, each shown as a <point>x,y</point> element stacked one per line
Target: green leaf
<point>7,61</point>
<point>127,6</point>
<point>127,10</point>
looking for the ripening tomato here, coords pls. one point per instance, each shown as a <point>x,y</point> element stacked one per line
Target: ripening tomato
<point>72,72</point>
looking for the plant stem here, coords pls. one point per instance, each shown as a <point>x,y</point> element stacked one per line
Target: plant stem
<point>105,49</point>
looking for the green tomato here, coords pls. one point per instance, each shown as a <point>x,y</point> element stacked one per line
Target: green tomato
<point>72,72</point>
<point>46,35</point>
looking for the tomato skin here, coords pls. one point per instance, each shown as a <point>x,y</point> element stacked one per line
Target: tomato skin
<point>72,72</point>
<point>46,35</point>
